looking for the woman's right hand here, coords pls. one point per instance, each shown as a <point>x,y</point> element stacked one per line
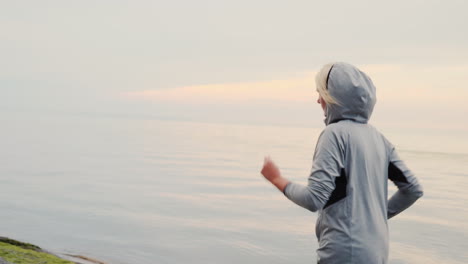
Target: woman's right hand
<point>270,171</point>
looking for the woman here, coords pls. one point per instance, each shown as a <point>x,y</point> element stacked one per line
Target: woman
<point>351,165</point>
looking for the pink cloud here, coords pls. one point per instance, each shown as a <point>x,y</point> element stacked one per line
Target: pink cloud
<point>301,89</point>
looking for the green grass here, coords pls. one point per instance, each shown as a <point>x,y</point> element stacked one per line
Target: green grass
<point>20,244</point>
<point>18,255</point>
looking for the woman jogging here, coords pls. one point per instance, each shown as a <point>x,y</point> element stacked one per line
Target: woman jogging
<point>352,164</point>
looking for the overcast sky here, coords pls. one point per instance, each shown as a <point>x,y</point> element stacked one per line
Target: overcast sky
<point>232,61</point>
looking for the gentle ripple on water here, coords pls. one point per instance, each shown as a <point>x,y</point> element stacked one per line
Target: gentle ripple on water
<point>148,191</point>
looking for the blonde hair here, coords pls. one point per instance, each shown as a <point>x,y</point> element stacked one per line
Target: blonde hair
<point>321,82</point>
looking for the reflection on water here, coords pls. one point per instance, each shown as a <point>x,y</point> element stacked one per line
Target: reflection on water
<point>147,191</point>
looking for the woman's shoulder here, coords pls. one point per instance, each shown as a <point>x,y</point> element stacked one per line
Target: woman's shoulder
<point>345,126</point>
<point>349,130</point>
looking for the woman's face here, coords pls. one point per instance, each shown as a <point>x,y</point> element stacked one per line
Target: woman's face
<point>322,103</point>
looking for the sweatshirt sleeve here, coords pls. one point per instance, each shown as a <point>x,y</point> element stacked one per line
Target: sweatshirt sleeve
<point>409,190</point>
<point>327,166</point>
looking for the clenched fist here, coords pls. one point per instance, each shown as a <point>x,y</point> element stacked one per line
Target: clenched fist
<point>271,172</point>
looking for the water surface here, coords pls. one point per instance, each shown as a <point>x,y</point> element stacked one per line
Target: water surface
<point>149,191</point>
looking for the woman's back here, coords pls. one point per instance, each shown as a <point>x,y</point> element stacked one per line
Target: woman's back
<point>351,167</point>
<point>352,226</point>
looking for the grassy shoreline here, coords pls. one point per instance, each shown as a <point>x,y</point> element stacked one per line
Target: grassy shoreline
<point>17,252</point>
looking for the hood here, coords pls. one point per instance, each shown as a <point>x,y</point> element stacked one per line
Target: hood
<point>354,92</point>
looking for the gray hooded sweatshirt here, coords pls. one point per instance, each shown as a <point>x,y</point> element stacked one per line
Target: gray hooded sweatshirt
<point>352,164</point>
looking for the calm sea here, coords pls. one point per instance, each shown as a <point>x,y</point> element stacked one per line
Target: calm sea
<point>131,191</point>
